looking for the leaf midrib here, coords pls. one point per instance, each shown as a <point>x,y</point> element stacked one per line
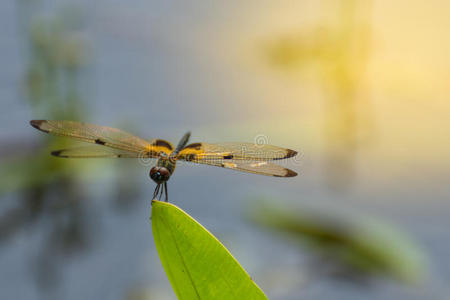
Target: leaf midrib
<point>182,258</point>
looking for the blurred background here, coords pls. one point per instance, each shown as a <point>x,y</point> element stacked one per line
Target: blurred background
<point>358,88</point>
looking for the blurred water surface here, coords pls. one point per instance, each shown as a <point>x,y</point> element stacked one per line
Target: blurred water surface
<point>159,69</point>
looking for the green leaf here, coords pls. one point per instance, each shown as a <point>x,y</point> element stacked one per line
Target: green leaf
<point>197,264</point>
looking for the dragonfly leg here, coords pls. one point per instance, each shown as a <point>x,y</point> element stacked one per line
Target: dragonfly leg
<point>155,193</point>
<point>165,187</point>
<point>161,192</point>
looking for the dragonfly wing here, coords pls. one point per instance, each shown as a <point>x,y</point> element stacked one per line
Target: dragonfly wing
<point>256,167</point>
<point>105,136</point>
<point>235,151</point>
<point>95,151</point>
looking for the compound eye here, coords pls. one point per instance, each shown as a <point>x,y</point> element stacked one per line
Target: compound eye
<point>165,174</point>
<point>159,174</point>
<point>153,171</point>
<point>155,174</point>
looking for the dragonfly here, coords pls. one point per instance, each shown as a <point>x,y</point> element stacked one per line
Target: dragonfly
<point>112,142</point>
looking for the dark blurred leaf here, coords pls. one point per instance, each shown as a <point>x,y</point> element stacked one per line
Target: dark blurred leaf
<point>360,246</point>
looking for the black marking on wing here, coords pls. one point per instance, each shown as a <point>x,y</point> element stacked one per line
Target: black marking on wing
<point>196,146</point>
<point>100,142</point>
<point>163,143</point>
<point>289,173</point>
<point>37,124</point>
<point>56,153</point>
<point>191,157</point>
<point>228,157</point>
<point>290,153</point>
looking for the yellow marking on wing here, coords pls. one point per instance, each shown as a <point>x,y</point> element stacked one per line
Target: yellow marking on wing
<point>229,165</point>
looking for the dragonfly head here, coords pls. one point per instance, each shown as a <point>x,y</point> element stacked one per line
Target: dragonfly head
<point>159,174</point>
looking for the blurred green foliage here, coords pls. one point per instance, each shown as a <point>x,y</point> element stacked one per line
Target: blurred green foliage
<point>355,248</point>
<point>44,187</point>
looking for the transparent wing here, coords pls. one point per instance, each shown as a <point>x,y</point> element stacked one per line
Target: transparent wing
<point>200,152</point>
<point>105,136</point>
<point>94,151</point>
<point>256,167</point>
